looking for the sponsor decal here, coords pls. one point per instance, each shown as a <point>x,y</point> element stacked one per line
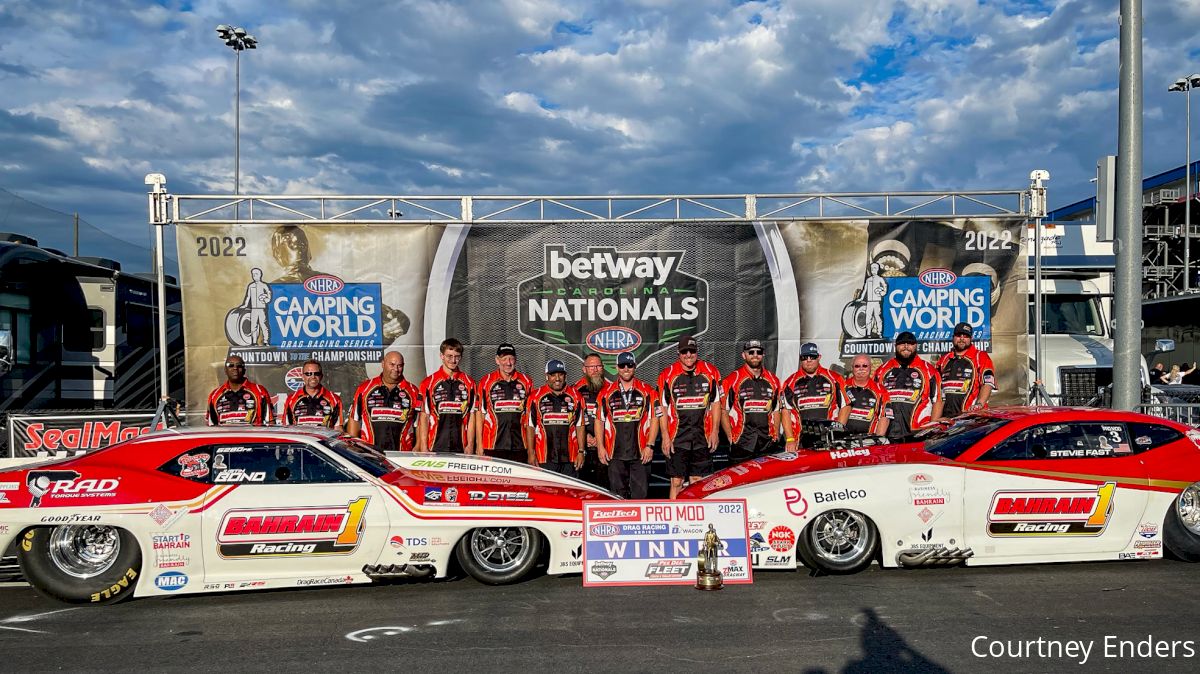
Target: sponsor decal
<point>332,580</point>
<point>1148,529</point>
<point>10,486</point>
<point>849,453</point>
<point>603,569</point>
<point>418,557</point>
<point>433,495</point>
<point>294,378</point>
<point>171,550</point>
<point>717,482</point>
<point>645,529</point>
<point>1147,545</point>
<point>116,588</point>
<point>927,495</point>
<point>71,518</point>
<point>920,479</point>
<point>756,525</point>
<point>61,485</point>
<point>796,503</point>
<point>779,560</point>
<point>781,539</point>
<point>687,530</point>
<point>604,530</point>
<point>45,437</point>
<point>240,585</point>
<point>781,456</point>
<point>4,498</point>
<point>236,475</point>
<point>577,552</point>
<point>937,278</point>
<point>1065,512</point>
<point>193,465</point>
<point>758,543</point>
<point>411,541</point>
<point>500,496</point>
<point>630,514</point>
<point>613,339</point>
<point>571,533</point>
<point>451,494</point>
<point>925,514</point>
<point>838,495</point>
<point>668,568</point>
<point>463,466</point>
<point>171,581</point>
<point>733,568</point>
<point>316,530</point>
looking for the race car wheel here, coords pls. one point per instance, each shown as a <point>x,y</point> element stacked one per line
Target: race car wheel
<point>1181,534</point>
<point>80,563</point>
<point>838,542</point>
<point>499,555</point>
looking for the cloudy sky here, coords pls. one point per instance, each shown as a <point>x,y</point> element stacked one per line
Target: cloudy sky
<point>573,97</point>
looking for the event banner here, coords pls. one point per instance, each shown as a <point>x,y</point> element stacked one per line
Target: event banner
<point>345,294</point>
<point>40,435</point>
<point>659,542</point>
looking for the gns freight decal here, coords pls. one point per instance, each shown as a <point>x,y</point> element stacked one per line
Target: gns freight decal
<point>608,301</point>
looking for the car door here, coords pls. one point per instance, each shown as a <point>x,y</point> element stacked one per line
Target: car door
<point>1055,490</point>
<point>289,511</point>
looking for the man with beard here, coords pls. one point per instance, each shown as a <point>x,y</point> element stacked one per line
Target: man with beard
<point>500,407</point>
<point>751,419</point>
<point>812,394</point>
<point>690,390</point>
<point>554,424</point>
<point>239,400</point>
<point>912,390</point>
<point>445,399</point>
<point>312,404</point>
<point>384,410</point>
<point>968,376</point>
<point>626,424</point>
<point>865,400</point>
<point>589,388</point>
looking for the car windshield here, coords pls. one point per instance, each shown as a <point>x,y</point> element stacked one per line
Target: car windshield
<point>950,442</point>
<point>362,455</point>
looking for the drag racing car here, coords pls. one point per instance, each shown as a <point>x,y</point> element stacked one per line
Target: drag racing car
<point>217,509</point>
<point>1009,486</point>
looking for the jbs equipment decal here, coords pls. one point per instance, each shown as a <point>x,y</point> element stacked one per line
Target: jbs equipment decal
<point>1068,512</point>
<point>290,532</point>
<point>608,301</point>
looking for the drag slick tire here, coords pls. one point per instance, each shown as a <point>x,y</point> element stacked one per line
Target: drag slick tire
<point>1181,532</point>
<point>499,555</point>
<point>80,563</point>
<point>838,542</point>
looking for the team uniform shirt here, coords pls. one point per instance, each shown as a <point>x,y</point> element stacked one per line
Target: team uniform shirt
<point>589,400</point>
<point>501,405</point>
<point>387,415</point>
<point>447,399</point>
<point>686,397</point>
<point>249,405</point>
<point>814,397</point>
<point>321,409</point>
<point>909,394</point>
<point>555,418</point>
<point>626,416</point>
<point>866,403</point>
<point>750,401</point>
<point>963,377</point>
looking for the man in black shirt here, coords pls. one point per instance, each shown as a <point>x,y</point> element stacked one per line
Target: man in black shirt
<point>626,425</point>
<point>554,427</point>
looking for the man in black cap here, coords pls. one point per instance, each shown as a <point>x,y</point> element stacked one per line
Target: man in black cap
<point>627,414</point>
<point>554,423</point>
<point>812,394</point>
<point>690,390</point>
<point>499,407</point>
<point>968,376</point>
<point>912,390</point>
<point>751,418</point>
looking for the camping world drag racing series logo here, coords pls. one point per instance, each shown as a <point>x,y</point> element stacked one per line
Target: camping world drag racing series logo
<point>608,301</point>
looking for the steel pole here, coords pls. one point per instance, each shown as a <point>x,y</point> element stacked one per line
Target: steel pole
<point>237,121</point>
<point>1187,198</point>
<point>1127,300</point>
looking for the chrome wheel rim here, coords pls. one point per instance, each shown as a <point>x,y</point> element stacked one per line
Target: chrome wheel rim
<point>502,549</point>
<point>84,551</point>
<point>839,536</point>
<point>1188,507</point>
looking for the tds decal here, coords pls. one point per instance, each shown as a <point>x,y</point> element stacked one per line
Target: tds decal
<point>291,532</point>
<point>1068,512</point>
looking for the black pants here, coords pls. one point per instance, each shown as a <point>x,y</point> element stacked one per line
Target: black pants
<point>628,478</point>
<point>593,471</point>
<point>750,446</point>
<point>562,467</point>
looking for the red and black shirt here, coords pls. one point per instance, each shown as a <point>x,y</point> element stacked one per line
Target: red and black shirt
<point>814,397</point>
<point>323,408</point>
<point>387,414</point>
<point>501,405</point>
<point>910,392</point>
<point>686,397</point>
<point>555,418</point>
<point>963,376</point>
<point>750,400</point>
<point>250,404</point>
<point>590,397</point>
<point>865,404</point>
<point>447,399</point>
<point>627,415</point>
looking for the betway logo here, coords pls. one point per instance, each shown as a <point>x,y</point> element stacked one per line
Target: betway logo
<point>609,263</point>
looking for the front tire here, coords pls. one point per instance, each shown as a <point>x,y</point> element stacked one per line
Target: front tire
<point>1181,532</point>
<point>838,542</point>
<point>80,563</point>
<point>499,555</point>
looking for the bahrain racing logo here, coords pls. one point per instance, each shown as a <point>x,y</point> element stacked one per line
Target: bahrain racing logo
<point>292,532</point>
<point>608,301</point>
<point>1066,512</point>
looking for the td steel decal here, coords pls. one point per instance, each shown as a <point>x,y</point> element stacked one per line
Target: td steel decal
<point>1065,512</point>
<point>290,532</point>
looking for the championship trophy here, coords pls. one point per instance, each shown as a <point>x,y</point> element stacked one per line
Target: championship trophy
<point>708,573</point>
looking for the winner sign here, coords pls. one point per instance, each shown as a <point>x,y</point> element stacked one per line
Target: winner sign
<point>658,542</point>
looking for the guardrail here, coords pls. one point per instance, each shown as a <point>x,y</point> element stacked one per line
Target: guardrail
<point>1184,413</point>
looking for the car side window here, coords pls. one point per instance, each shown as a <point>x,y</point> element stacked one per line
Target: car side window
<point>1064,441</point>
<point>257,463</point>
<point>1015,448</point>
<point>1149,436</point>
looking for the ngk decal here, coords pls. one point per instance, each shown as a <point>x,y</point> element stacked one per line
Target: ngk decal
<point>1067,512</point>
<point>274,532</point>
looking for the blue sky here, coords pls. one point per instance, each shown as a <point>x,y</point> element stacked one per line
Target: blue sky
<point>565,97</point>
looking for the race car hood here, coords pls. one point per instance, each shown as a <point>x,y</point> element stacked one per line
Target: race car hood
<point>466,471</point>
<point>804,461</point>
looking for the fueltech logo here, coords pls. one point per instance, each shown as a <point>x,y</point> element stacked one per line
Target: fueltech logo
<point>290,532</point>
<point>1074,512</point>
<point>615,514</point>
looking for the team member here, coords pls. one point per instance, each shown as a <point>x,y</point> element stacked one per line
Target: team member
<point>690,390</point>
<point>239,400</point>
<point>589,388</point>
<point>751,419</point>
<point>445,399</point>
<point>313,404</point>
<point>813,393</point>
<point>499,408</point>
<point>968,376</point>
<point>626,425</point>
<point>384,410</point>
<point>864,398</point>
<point>554,423</point>
<point>911,389</point>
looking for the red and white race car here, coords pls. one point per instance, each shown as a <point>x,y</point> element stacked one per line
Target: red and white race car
<point>1009,486</point>
<point>205,510</point>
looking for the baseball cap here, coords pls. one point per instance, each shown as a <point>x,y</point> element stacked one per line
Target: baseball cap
<point>751,344</point>
<point>506,349</point>
<point>554,365</point>
<point>906,337</point>
<point>687,342</point>
<point>809,349</point>
<point>626,358</point>
<point>963,329</point>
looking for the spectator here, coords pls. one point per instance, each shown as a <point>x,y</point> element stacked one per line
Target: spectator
<point>1176,375</point>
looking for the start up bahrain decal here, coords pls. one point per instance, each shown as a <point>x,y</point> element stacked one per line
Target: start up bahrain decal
<point>608,301</point>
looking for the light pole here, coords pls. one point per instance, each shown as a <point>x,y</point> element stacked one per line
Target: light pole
<point>238,40</point>
<point>1186,84</point>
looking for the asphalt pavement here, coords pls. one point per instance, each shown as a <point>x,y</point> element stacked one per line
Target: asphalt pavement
<point>899,621</point>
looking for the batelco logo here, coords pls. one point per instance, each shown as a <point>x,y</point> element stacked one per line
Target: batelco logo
<point>608,301</point>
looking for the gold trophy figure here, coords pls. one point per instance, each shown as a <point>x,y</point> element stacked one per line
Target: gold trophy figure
<point>708,572</point>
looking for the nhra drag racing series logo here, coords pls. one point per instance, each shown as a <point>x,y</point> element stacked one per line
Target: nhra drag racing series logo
<point>323,317</point>
<point>1065,512</point>
<point>292,532</point>
<point>608,301</point>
